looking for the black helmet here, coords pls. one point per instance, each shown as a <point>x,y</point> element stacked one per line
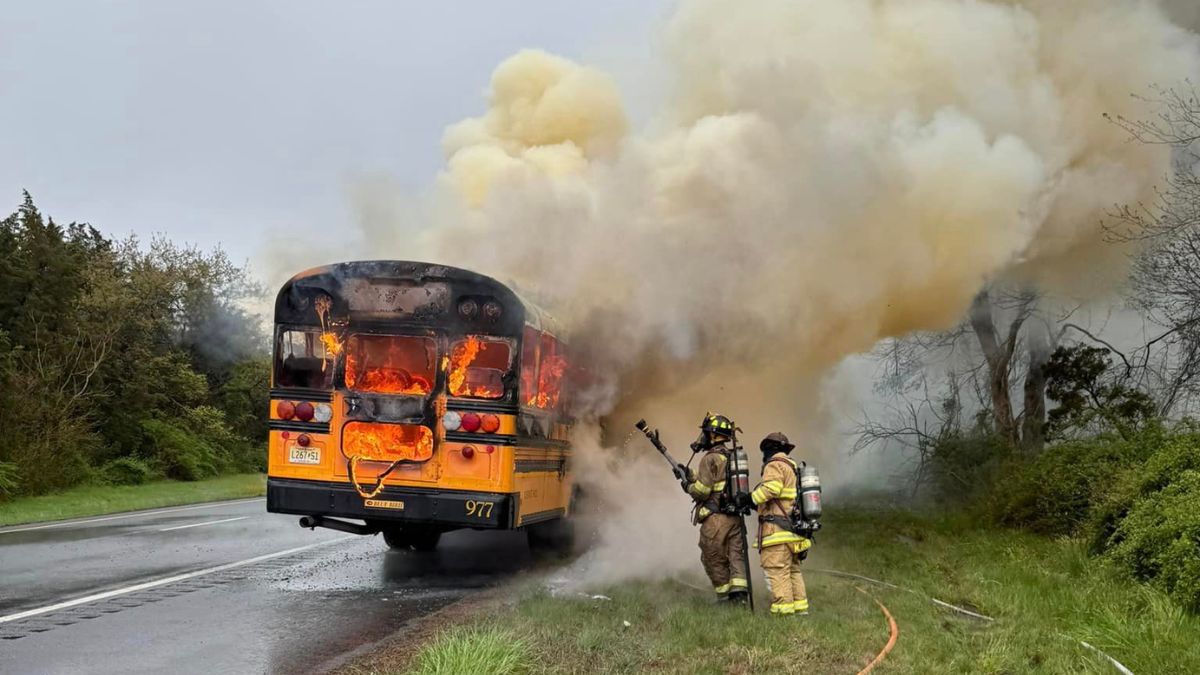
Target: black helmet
<point>775,442</point>
<point>717,425</point>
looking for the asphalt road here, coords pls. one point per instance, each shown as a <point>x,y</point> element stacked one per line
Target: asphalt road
<point>220,588</point>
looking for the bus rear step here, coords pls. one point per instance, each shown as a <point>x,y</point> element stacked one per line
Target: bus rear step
<point>312,522</point>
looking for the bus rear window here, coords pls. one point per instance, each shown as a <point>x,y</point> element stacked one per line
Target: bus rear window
<point>301,361</point>
<point>390,364</point>
<point>478,366</point>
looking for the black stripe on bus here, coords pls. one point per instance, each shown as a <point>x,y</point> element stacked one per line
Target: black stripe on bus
<point>542,516</point>
<point>311,427</point>
<point>536,465</point>
<point>499,407</point>
<point>319,395</point>
<point>501,439</point>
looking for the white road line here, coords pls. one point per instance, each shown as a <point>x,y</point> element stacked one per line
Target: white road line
<point>163,582</point>
<point>211,522</point>
<point>134,514</point>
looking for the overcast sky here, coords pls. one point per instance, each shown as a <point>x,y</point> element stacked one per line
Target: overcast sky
<point>218,122</point>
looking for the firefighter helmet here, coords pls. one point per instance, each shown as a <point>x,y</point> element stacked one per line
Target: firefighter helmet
<point>717,425</point>
<point>775,442</point>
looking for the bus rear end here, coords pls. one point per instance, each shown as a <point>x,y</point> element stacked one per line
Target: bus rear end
<point>396,402</point>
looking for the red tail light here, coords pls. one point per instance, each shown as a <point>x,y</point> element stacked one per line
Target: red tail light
<point>490,424</point>
<point>304,411</point>
<point>471,422</point>
<point>468,452</point>
<point>285,410</point>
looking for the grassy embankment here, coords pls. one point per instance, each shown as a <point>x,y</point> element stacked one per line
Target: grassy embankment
<point>97,500</point>
<point>1046,595</point>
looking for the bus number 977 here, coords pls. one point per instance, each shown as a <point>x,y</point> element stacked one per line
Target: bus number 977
<point>479,509</point>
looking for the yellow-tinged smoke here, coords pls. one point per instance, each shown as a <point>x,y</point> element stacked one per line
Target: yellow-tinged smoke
<point>820,176</point>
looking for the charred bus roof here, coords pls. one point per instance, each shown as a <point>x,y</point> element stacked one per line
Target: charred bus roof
<point>402,291</point>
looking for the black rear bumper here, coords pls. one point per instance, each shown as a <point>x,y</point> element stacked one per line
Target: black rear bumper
<point>445,508</point>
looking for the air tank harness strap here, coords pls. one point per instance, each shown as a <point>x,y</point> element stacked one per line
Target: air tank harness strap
<point>368,494</point>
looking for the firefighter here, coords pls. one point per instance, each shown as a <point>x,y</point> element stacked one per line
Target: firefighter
<point>722,544</point>
<point>779,548</point>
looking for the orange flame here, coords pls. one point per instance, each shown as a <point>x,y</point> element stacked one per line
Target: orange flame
<point>387,442</point>
<point>383,379</point>
<point>463,355</point>
<point>549,382</point>
<point>461,358</point>
<point>389,377</point>
<point>333,346</point>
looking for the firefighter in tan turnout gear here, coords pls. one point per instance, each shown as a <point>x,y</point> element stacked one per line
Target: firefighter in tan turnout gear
<point>722,543</point>
<point>780,549</point>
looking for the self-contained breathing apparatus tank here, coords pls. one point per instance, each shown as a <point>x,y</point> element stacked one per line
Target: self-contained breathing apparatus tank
<point>810,493</point>
<point>739,474</point>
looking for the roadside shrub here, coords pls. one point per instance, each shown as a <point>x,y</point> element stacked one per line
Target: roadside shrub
<point>1166,456</point>
<point>10,480</point>
<point>180,453</point>
<point>126,471</point>
<point>960,463</point>
<point>1159,539</point>
<point>1055,493</point>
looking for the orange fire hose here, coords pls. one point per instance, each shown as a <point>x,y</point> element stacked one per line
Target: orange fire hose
<point>894,634</point>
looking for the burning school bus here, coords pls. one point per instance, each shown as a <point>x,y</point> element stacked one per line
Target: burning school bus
<point>418,399</point>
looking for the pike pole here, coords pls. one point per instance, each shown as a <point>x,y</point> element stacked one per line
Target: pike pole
<point>676,468</point>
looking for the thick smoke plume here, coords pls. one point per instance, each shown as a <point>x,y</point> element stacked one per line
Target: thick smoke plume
<point>820,175</point>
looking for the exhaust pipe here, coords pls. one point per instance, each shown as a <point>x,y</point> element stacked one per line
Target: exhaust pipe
<point>312,522</point>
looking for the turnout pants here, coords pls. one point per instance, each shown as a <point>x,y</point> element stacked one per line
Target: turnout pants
<point>721,549</point>
<point>781,564</point>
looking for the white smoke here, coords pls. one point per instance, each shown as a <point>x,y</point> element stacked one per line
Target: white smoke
<point>821,175</point>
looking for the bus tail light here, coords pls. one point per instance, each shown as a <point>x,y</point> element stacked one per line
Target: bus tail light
<point>285,409</point>
<point>323,412</point>
<point>451,421</point>
<point>303,440</point>
<point>471,422</point>
<point>489,424</point>
<point>304,411</point>
<point>468,452</point>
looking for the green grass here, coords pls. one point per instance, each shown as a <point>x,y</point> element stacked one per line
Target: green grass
<point>1046,595</point>
<point>96,500</point>
<point>467,651</point>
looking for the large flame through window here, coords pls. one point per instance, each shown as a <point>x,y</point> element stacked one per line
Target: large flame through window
<point>391,364</point>
<point>387,442</point>
<point>478,366</point>
<point>552,364</point>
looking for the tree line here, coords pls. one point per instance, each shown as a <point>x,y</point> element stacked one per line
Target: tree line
<point>123,361</point>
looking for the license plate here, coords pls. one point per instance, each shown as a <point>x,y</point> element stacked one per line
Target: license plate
<point>299,455</point>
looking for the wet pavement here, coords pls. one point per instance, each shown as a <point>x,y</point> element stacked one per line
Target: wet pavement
<point>245,591</point>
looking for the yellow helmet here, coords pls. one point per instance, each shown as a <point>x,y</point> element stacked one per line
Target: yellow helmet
<point>717,425</point>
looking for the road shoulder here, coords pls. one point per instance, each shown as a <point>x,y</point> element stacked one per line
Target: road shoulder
<point>93,501</point>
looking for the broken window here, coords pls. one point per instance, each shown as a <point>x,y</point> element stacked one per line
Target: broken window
<point>301,360</point>
<point>391,364</point>
<point>478,366</point>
